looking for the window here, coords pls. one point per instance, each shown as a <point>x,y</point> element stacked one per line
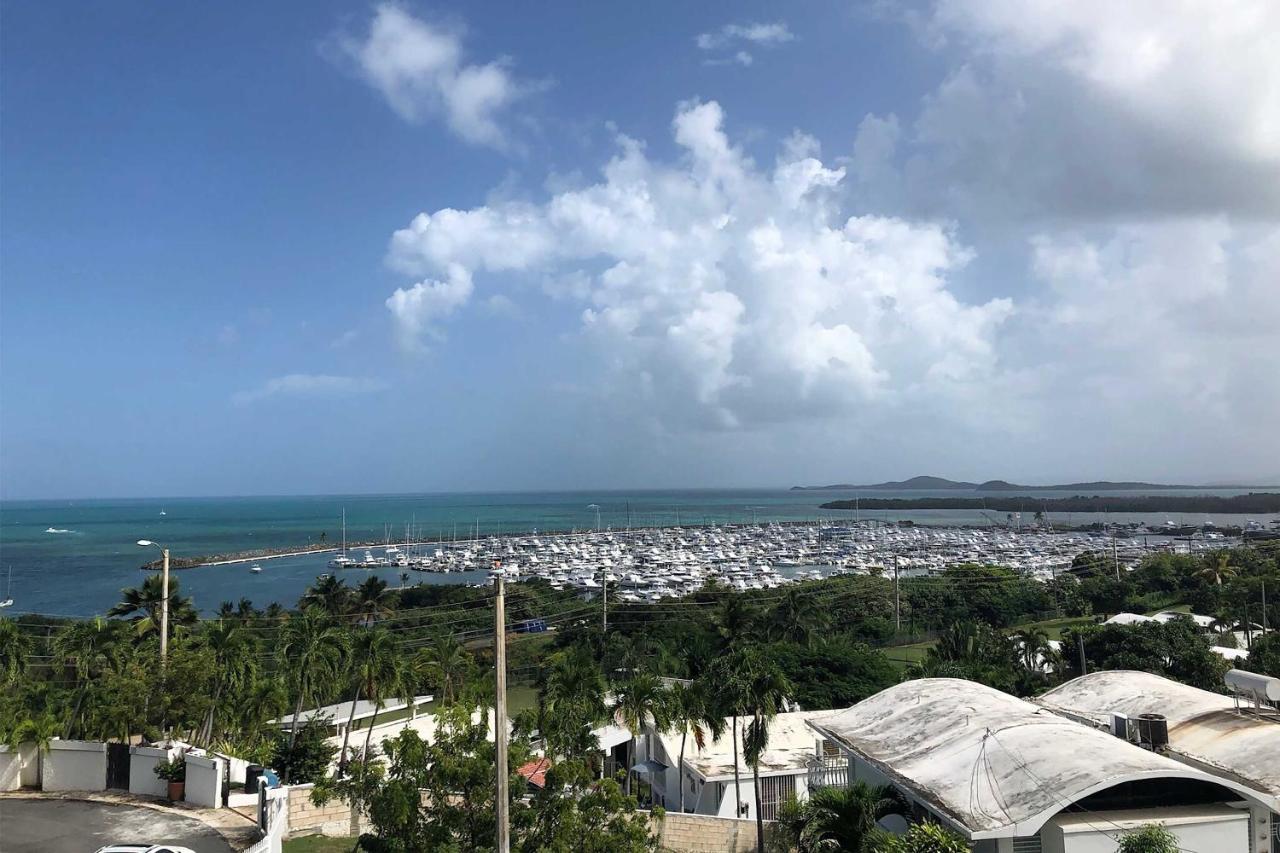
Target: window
<point>774,791</point>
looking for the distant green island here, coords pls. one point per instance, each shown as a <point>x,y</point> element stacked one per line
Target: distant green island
<point>1253,503</point>
<point>938,484</point>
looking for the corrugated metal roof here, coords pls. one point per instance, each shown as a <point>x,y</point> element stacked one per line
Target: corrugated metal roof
<point>995,765</point>
<point>1205,727</point>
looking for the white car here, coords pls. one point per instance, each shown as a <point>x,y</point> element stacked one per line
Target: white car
<point>144,848</point>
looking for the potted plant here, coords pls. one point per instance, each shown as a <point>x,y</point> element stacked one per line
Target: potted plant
<point>174,771</point>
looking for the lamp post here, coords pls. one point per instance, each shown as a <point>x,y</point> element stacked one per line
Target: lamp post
<point>164,603</point>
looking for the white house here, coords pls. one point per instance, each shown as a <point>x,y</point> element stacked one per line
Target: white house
<point>1014,777</point>
<point>708,773</point>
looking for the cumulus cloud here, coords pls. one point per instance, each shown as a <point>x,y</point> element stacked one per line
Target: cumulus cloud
<point>1096,110</point>
<point>724,293</point>
<point>308,385</point>
<point>732,38</point>
<point>419,69</point>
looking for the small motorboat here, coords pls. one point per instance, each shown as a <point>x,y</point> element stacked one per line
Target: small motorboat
<point>255,568</point>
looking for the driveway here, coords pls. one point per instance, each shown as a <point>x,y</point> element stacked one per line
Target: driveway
<point>69,826</point>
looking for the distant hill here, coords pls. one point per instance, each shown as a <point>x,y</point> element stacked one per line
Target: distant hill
<point>935,484</point>
<point>915,483</point>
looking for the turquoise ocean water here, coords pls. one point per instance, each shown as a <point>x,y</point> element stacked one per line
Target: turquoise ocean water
<point>80,569</point>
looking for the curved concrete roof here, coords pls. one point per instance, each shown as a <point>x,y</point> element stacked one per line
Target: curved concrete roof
<point>995,765</point>
<point>1204,727</point>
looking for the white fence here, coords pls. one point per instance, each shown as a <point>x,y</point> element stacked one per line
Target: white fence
<point>273,818</point>
<point>142,771</point>
<point>75,765</point>
<point>19,767</point>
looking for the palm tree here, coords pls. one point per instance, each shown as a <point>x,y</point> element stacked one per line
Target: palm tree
<point>142,605</point>
<point>372,600</point>
<point>14,648</point>
<point>330,594</point>
<point>729,699</point>
<point>368,652</point>
<point>638,701</point>
<point>797,617</point>
<point>311,650</point>
<point>384,674</point>
<point>234,665</point>
<point>39,731</point>
<point>766,689</point>
<point>844,819</point>
<point>1034,650</point>
<point>689,711</point>
<point>734,621</point>
<point>1220,568</point>
<point>571,702</point>
<point>85,648</point>
<point>445,665</point>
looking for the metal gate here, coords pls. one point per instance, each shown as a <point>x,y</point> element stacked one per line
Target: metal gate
<point>118,765</point>
<point>774,791</point>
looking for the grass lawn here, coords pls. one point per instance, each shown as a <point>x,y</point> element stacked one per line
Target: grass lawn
<point>319,844</point>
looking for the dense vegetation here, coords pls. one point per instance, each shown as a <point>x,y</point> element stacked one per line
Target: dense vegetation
<point>743,657</point>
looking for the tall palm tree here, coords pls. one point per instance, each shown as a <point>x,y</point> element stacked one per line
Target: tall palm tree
<point>331,594</point>
<point>445,665</point>
<point>1034,650</point>
<point>1220,568</point>
<point>14,648</point>
<point>728,698</point>
<point>142,604</point>
<point>384,674</point>
<point>369,652</point>
<point>571,702</point>
<point>235,664</point>
<point>765,690</point>
<point>734,621</point>
<point>85,648</point>
<point>312,650</point>
<point>638,702</point>
<point>689,711</point>
<point>845,819</point>
<point>798,617</point>
<point>372,600</point>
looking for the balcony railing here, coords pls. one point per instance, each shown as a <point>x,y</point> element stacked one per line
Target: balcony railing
<point>828,772</point>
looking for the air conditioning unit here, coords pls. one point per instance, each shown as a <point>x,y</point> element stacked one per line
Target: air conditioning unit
<point>1153,731</point>
<point>1121,726</point>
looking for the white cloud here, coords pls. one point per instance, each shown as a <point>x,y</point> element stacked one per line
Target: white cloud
<point>722,293</point>
<point>418,67</point>
<point>308,385</point>
<point>1093,109</point>
<point>764,34</point>
<point>417,309</point>
<point>732,38</point>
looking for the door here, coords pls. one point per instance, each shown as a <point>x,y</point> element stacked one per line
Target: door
<point>118,765</point>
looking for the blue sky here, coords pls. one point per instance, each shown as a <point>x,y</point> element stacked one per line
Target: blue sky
<point>680,245</point>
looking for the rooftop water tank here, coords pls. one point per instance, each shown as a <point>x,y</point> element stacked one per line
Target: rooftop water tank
<point>1259,687</point>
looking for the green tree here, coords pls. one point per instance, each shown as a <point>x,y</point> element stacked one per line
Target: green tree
<point>331,594</point>
<point>798,617</point>
<point>311,650</point>
<point>1152,838</point>
<point>571,702</point>
<point>925,837</point>
<point>372,600</point>
<point>573,812</point>
<point>304,755</point>
<point>446,666</point>
<point>382,673</point>
<point>14,649</point>
<point>639,701</point>
<point>689,711</point>
<point>235,665</point>
<point>1218,568</point>
<point>1264,657</point>
<point>372,652</point>
<point>142,604</point>
<point>766,689</point>
<point>86,649</point>
<point>839,819</point>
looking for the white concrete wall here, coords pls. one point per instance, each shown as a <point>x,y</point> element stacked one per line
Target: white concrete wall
<point>142,776</point>
<point>204,781</point>
<point>14,772</point>
<point>75,765</point>
<point>1096,834</point>
<point>235,768</point>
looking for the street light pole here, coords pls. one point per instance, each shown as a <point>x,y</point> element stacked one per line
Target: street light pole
<point>164,602</point>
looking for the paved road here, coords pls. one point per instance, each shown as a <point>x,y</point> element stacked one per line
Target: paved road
<point>67,826</point>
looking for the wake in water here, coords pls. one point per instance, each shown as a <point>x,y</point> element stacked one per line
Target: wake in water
<point>59,530</point>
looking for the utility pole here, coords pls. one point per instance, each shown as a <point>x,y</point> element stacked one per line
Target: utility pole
<point>1115,554</point>
<point>1265,626</point>
<point>604,597</point>
<point>897,600</point>
<point>164,612</point>
<point>1084,667</point>
<point>501,802</point>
